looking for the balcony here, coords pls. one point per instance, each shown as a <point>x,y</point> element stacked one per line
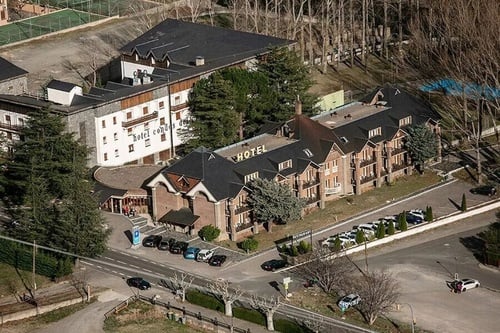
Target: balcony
<point>178,107</point>
<point>364,163</point>
<point>311,200</point>
<point>243,226</point>
<point>336,189</point>
<point>396,167</point>
<point>367,179</point>
<point>140,120</point>
<point>397,151</point>
<point>9,126</point>
<point>310,183</point>
<point>241,209</point>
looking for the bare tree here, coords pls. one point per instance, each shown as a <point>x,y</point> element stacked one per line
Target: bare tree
<point>458,40</point>
<point>378,291</point>
<point>329,270</point>
<point>179,284</point>
<point>315,323</point>
<point>228,295</point>
<point>268,306</point>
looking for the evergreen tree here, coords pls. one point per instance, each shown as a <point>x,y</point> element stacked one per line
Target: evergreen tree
<point>49,190</point>
<point>288,78</point>
<point>381,230</point>
<point>360,236</point>
<point>337,245</point>
<point>391,230</point>
<point>463,206</point>
<point>491,238</point>
<point>403,224</point>
<point>428,214</point>
<point>274,202</point>
<point>421,144</point>
<point>214,121</point>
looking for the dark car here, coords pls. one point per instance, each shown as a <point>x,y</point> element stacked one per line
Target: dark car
<point>151,241</point>
<point>484,190</point>
<point>164,245</point>
<point>217,260</point>
<point>139,283</point>
<point>179,247</point>
<point>274,264</point>
<point>413,219</point>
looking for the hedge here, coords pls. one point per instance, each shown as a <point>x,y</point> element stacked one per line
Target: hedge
<point>204,300</point>
<point>250,315</point>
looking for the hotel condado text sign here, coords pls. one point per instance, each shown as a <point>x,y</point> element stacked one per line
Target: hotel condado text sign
<point>250,153</point>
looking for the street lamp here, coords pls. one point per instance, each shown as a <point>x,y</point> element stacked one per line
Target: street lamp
<point>412,317</point>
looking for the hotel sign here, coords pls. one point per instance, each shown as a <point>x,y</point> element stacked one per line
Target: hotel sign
<point>250,153</point>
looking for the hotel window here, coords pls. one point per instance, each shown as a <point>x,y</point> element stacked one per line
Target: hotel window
<point>105,156</point>
<point>147,142</point>
<point>162,121</point>
<point>9,136</point>
<point>405,121</point>
<point>129,131</point>
<point>129,115</point>
<point>7,118</point>
<point>177,115</point>
<point>163,137</point>
<point>130,148</point>
<point>177,100</point>
<point>104,140</point>
<point>115,136</point>
<point>145,110</point>
<point>285,165</point>
<point>21,121</point>
<point>116,153</point>
<point>161,105</point>
<point>104,124</point>
<point>252,176</point>
<point>114,120</point>
<point>374,132</point>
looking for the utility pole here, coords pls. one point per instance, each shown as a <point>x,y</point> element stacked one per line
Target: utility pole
<point>34,262</point>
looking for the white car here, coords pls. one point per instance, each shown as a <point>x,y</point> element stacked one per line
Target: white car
<point>205,255</point>
<point>348,301</point>
<point>330,241</point>
<point>417,212</point>
<point>464,284</point>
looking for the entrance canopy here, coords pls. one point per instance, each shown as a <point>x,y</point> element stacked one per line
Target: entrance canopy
<point>182,217</point>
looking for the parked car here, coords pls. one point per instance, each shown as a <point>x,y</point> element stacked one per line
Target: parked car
<point>366,228</point>
<point>330,241</point>
<point>413,219</point>
<point>417,212</point>
<point>349,301</point>
<point>217,260</point>
<point>178,247</point>
<point>488,190</point>
<point>164,245</point>
<point>205,255</point>
<point>274,264</point>
<point>151,241</point>
<point>464,284</point>
<point>191,252</point>
<point>139,283</point>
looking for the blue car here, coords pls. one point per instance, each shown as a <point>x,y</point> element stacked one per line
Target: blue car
<point>191,253</point>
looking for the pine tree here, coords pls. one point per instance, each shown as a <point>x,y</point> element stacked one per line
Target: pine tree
<point>428,214</point>
<point>380,230</point>
<point>403,224</point>
<point>463,206</point>
<point>360,236</point>
<point>421,144</point>
<point>391,230</point>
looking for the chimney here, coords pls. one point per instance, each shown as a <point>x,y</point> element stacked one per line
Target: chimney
<point>200,61</point>
<point>298,106</point>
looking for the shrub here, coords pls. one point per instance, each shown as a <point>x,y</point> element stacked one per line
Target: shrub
<point>391,230</point>
<point>304,247</point>
<point>428,214</point>
<point>250,315</point>
<point>360,236</point>
<point>283,248</point>
<point>209,233</point>
<point>294,251</point>
<point>283,325</point>
<point>204,300</point>
<point>463,206</point>
<point>381,230</point>
<point>249,244</point>
<point>403,224</point>
<point>337,246</point>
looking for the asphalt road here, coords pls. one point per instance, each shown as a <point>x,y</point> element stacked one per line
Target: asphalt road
<point>422,265</point>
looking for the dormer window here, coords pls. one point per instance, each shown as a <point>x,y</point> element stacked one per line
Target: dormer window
<point>344,139</point>
<point>308,152</point>
<point>252,176</point>
<point>285,165</point>
<point>405,121</point>
<point>374,132</point>
<point>153,61</point>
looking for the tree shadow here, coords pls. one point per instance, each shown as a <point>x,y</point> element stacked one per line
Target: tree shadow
<point>457,206</point>
<point>275,285</point>
<point>475,245</point>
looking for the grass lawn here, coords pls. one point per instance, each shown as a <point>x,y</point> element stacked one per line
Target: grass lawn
<point>338,210</point>
<point>14,281</point>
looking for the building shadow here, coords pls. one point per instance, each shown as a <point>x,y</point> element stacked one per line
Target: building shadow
<point>475,245</point>
<point>128,234</point>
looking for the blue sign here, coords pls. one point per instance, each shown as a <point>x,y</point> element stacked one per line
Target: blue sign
<point>136,236</point>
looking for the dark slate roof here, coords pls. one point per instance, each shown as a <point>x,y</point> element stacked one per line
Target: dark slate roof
<point>182,42</point>
<point>61,85</point>
<point>9,71</point>
<point>183,217</point>
<point>399,104</point>
<point>104,192</point>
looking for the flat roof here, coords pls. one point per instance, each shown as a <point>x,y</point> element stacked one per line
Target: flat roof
<point>348,113</point>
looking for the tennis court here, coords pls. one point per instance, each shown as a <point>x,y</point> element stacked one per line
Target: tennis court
<point>45,24</point>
